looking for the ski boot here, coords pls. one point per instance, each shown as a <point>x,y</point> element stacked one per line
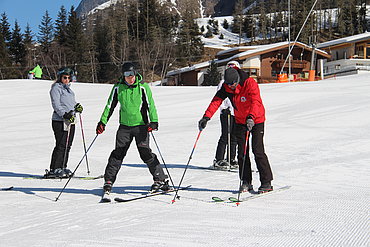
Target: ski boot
<point>68,173</point>
<point>245,187</point>
<point>59,173</point>
<point>160,185</point>
<point>49,174</point>
<point>221,165</point>
<point>265,187</point>
<point>107,188</point>
<point>234,165</point>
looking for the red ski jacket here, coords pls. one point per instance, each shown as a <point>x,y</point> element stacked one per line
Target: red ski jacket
<point>246,100</point>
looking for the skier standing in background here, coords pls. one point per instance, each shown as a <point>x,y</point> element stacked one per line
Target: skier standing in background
<point>36,72</point>
<point>226,119</point>
<point>138,117</point>
<point>249,111</point>
<point>63,122</point>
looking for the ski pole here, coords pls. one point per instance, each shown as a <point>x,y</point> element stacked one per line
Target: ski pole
<point>84,143</point>
<point>164,163</point>
<point>228,140</point>
<point>186,167</point>
<point>244,157</point>
<point>69,179</point>
<point>67,143</point>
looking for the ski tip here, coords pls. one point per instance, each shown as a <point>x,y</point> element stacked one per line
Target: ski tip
<point>9,188</point>
<point>217,199</point>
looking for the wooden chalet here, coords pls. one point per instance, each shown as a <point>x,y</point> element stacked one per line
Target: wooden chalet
<point>263,62</point>
<point>348,54</point>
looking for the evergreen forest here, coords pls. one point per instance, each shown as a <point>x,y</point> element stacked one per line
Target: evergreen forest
<point>158,39</point>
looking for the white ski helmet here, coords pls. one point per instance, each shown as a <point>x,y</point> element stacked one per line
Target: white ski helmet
<point>233,64</point>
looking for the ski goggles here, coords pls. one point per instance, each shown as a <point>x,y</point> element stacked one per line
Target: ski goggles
<point>129,73</point>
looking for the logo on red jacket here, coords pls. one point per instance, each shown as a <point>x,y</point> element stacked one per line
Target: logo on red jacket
<point>243,99</point>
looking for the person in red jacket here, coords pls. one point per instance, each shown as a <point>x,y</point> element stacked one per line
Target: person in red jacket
<point>244,93</point>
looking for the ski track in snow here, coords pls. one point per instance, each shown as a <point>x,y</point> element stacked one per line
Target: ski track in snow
<point>316,138</point>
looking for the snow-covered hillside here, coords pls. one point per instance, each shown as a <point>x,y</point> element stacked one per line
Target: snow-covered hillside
<point>316,138</point>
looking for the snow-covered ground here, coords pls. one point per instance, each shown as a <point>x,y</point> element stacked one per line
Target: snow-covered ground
<point>317,140</point>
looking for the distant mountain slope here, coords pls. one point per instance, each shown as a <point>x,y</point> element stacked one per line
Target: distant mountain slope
<point>209,7</point>
<point>86,5</point>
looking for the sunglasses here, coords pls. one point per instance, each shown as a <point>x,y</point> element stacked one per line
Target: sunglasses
<point>66,77</point>
<point>129,73</point>
<point>230,83</point>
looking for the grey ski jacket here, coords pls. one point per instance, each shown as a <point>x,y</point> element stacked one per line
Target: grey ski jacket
<point>62,100</point>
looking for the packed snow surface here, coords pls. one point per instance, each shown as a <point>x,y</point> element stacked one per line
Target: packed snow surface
<point>316,138</point>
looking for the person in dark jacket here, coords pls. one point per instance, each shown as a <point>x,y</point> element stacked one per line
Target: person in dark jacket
<point>244,93</point>
<point>63,122</point>
<point>138,117</point>
<point>227,125</point>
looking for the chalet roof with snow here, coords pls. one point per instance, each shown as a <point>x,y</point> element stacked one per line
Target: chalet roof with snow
<point>348,40</point>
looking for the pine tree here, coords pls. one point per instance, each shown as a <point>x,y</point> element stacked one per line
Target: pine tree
<point>238,19</point>
<point>189,44</point>
<point>249,27</point>
<point>75,40</point>
<point>60,26</point>
<point>225,24</point>
<point>101,39</point>
<point>5,28</point>
<point>46,33</point>
<point>28,35</point>
<point>16,45</point>
<point>262,21</point>
<point>28,43</point>
<point>5,60</point>
<point>213,76</point>
<point>341,17</point>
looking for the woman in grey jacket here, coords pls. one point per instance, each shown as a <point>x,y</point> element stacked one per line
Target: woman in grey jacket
<point>63,122</point>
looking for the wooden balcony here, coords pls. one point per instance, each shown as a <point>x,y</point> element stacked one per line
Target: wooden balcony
<point>297,64</point>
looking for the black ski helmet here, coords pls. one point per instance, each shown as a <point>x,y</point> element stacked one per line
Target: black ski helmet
<point>128,69</point>
<point>65,71</point>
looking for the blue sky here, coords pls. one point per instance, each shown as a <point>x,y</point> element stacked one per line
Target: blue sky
<point>26,11</point>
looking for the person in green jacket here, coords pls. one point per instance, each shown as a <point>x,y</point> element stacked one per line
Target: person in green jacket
<point>138,117</point>
<point>37,72</point>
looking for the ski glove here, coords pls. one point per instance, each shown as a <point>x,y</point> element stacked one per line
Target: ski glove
<point>249,122</point>
<point>78,108</point>
<point>100,128</point>
<point>152,126</point>
<point>203,123</point>
<point>70,117</point>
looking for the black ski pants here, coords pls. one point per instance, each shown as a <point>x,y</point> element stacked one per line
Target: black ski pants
<point>57,158</point>
<point>223,141</point>
<point>258,149</point>
<point>124,137</point>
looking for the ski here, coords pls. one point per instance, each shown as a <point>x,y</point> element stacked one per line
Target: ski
<point>253,195</point>
<point>56,178</point>
<point>119,200</point>
<point>9,188</point>
<point>214,169</point>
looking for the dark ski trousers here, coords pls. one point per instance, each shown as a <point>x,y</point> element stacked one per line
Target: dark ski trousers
<point>223,141</point>
<point>258,149</point>
<point>57,157</point>
<point>124,137</point>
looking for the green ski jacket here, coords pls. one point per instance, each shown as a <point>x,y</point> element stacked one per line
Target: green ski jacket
<point>37,71</point>
<point>136,101</point>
